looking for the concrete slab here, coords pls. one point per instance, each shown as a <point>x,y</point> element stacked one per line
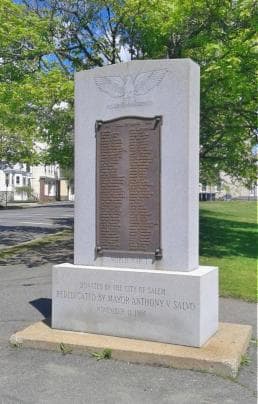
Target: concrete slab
<point>221,355</point>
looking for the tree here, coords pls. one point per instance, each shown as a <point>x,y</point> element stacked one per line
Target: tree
<point>86,33</point>
<point>18,57</point>
<point>31,85</point>
<point>220,36</point>
<point>69,35</point>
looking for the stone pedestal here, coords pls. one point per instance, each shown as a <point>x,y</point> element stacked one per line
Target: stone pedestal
<point>173,307</point>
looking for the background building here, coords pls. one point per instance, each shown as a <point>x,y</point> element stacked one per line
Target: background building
<point>21,182</point>
<point>228,188</point>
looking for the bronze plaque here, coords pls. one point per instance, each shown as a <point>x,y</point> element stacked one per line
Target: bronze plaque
<point>128,187</point>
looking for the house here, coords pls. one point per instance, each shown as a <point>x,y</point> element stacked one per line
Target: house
<point>45,182</point>
<point>21,182</point>
<point>15,182</point>
<point>228,188</point>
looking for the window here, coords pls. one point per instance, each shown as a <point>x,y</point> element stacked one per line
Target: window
<point>17,179</point>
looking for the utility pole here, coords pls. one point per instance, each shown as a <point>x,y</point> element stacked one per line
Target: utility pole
<point>6,188</point>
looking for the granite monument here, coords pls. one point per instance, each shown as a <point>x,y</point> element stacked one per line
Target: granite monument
<point>136,271</point>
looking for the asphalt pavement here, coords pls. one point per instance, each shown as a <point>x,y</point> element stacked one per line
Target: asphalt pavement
<point>30,376</point>
<point>21,224</point>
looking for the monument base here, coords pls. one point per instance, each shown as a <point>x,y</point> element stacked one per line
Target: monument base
<point>171,307</point>
<point>221,355</point>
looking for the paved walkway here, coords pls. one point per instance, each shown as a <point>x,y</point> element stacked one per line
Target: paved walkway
<point>36,377</point>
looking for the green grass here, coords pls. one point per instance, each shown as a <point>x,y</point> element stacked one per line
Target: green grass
<point>39,242</point>
<point>228,239</point>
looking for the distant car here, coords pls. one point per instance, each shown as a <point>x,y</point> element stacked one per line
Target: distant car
<point>227,197</point>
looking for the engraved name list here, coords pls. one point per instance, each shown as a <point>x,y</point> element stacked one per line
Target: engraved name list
<point>128,187</point>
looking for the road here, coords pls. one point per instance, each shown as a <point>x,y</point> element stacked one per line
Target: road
<point>20,225</point>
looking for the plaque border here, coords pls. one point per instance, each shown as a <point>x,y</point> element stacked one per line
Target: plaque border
<point>99,251</point>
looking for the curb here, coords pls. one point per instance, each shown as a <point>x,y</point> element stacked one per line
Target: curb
<point>31,243</point>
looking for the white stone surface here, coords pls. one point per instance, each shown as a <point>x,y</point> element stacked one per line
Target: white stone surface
<point>170,300</point>
<point>155,87</point>
<point>173,307</point>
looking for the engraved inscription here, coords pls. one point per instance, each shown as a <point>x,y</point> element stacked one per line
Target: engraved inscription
<point>126,299</point>
<point>128,186</point>
<point>140,215</point>
<point>110,205</point>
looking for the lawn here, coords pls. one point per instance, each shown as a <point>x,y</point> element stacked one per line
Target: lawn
<point>228,239</point>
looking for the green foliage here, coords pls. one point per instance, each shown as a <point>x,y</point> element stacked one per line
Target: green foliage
<point>105,354</point>
<point>15,147</point>
<point>65,349</point>
<point>245,360</point>
<point>24,41</point>
<point>15,343</point>
<point>31,87</point>
<point>254,341</point>
<point>53,116</point>
<point>34,246</point>
<point>220,36</point>
<point>42,43</point>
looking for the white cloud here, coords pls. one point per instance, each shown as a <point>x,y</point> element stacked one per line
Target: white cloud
<point>124,54</point>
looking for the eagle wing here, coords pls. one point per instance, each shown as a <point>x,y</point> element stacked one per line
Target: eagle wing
<point>144,82</point>
<point>112,85</point>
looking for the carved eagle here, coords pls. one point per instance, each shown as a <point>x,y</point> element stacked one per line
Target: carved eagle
<point>129,87</point>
